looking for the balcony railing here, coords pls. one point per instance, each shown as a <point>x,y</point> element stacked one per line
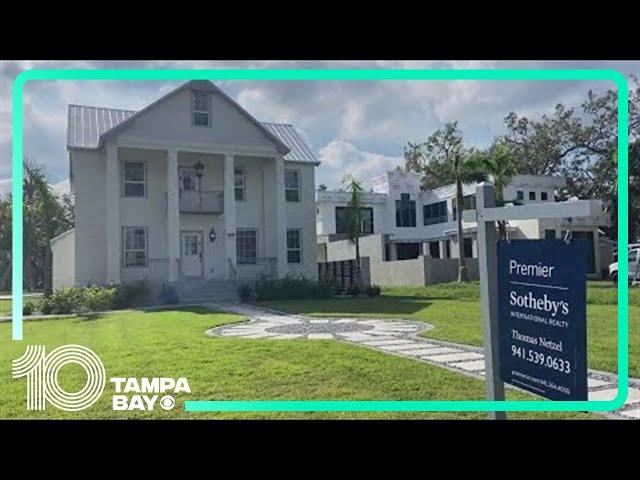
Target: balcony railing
<point>206,201</point>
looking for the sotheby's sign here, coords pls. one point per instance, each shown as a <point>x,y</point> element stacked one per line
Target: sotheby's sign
<point>542,316</point>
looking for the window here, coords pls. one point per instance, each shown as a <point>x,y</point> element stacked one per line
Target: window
<point>633,256</point>
<point>532,195</point>
<point>134,179</point>
<point>434,249</point>
<point>134,253</point>
<point>238,174</point>
<point>292,185</point>
<point>366,220</point>
<point>549,234</point>
<point>468,201</point>
<point>435,213</point>
<point>543,196</point>
<point>407,251</point>
<point>519,195</point>
<point>294,245</point>
<point>246,246</point>
<point>467,246</point>
<point>405,211</point>
<point>201,109</point>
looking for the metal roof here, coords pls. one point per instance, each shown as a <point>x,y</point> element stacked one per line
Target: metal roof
<point>87,124</point>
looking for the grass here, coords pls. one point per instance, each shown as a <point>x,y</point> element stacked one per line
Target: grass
<point>172,343</point>
<point>454,310</point>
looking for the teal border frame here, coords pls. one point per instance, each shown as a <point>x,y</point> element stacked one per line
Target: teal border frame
<point>352,74</point>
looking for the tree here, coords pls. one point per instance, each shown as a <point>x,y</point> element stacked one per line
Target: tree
<point>497,161</point>
<point>441,159</point>
<point>353,219</point>
<point>44,218</point>
<point>541,146</point>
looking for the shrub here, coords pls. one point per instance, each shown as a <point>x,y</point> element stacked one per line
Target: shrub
<point>29,308</point>
<point>292,287</point>
<point>373,290</point>
<point>131,294</point>
<point>98,299</point>
<point>353,290</point>
<point>244,292</point>
<point>169,295</point>
<point>326,288</point>
<point>63,301</point>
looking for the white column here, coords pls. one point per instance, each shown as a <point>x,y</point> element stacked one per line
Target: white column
<point>281,221</point>
<point>113,227</point>
<point>229,217</point>
<point>173,215</point>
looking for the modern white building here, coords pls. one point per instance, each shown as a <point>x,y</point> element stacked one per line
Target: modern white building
<point>413,222</point>
<point>190,188</point>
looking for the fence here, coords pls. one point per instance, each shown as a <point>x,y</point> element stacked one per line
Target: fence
<point>343,272</point>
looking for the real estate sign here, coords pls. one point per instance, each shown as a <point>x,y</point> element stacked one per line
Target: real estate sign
<point>542,316</point>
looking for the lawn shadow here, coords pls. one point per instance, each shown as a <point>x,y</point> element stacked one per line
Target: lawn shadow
<point>370,306</point>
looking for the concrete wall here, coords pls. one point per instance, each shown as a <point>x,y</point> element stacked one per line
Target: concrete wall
<point>443,270</point>
<point>371,246</point>
<point>399,272</point>
<point>63,262</point>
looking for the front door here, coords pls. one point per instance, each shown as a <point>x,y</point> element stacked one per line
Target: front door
<point>191,254</point>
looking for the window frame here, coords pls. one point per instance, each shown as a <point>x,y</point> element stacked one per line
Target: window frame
<point>126,250</point>
<point>298,189</point>
<point>532,196</point>
<point>412,213</point>
<point>238,258</point>
<point>441,218</point>
<point>124,181</point>
<point>295,249</point>
<point>544,196</point>
<point>362,209</point>
<point>520,195</point>
<point>244,184</point>
<point>194,111</point>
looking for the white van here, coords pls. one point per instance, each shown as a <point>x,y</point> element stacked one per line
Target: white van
<point>634,266</point>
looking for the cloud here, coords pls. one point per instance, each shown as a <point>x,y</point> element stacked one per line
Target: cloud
<point>340,157</point>
<point>362,125</point>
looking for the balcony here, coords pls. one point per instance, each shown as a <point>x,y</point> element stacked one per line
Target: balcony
<point>206,201</point>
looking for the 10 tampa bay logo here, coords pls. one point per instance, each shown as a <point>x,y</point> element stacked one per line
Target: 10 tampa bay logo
<point>130,393</point>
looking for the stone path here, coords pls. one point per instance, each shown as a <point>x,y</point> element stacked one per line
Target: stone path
<point>398,337</point>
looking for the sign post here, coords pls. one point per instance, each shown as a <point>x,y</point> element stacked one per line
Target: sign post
<point>487,267</point>
<point>548,367</point>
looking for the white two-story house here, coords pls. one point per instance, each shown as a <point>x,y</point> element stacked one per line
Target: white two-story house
<point>413,222</point>
<point>191,187</point>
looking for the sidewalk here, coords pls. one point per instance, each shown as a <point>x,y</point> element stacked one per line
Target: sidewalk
<point>399,337</point>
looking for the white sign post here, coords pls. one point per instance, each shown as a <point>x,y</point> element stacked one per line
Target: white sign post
<point>486,215</point>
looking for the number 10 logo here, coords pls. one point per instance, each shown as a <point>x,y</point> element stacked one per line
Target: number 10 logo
<point>42,377</point>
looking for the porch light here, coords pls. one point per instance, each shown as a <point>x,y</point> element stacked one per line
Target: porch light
<point>199,168</point>
<point>212,234</point>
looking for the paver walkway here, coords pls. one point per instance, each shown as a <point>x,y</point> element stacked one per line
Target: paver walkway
<point>398,337</point>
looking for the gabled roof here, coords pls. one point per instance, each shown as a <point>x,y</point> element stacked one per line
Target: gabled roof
<point>88,126</point>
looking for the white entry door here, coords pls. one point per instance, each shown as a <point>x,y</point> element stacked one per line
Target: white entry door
<point>192,254</point>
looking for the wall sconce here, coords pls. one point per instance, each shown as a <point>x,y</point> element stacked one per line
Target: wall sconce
<point>212,234</point>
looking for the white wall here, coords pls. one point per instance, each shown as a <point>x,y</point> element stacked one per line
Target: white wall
<point>303,215</point>
<point>88,182</point>
<point>170,120</point>
<point>63,262</point>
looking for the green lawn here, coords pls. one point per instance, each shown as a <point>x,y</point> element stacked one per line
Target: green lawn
<point>172,343</point>
<point>454,310</point>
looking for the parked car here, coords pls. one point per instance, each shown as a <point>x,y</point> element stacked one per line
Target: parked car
<point>634,266</point>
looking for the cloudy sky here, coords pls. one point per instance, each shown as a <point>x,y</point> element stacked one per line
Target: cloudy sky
<point>360,127</point>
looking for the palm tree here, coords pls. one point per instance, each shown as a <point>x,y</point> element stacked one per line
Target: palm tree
<point>497,161</point>
<point>444,159</point>
<point>353,219</point>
